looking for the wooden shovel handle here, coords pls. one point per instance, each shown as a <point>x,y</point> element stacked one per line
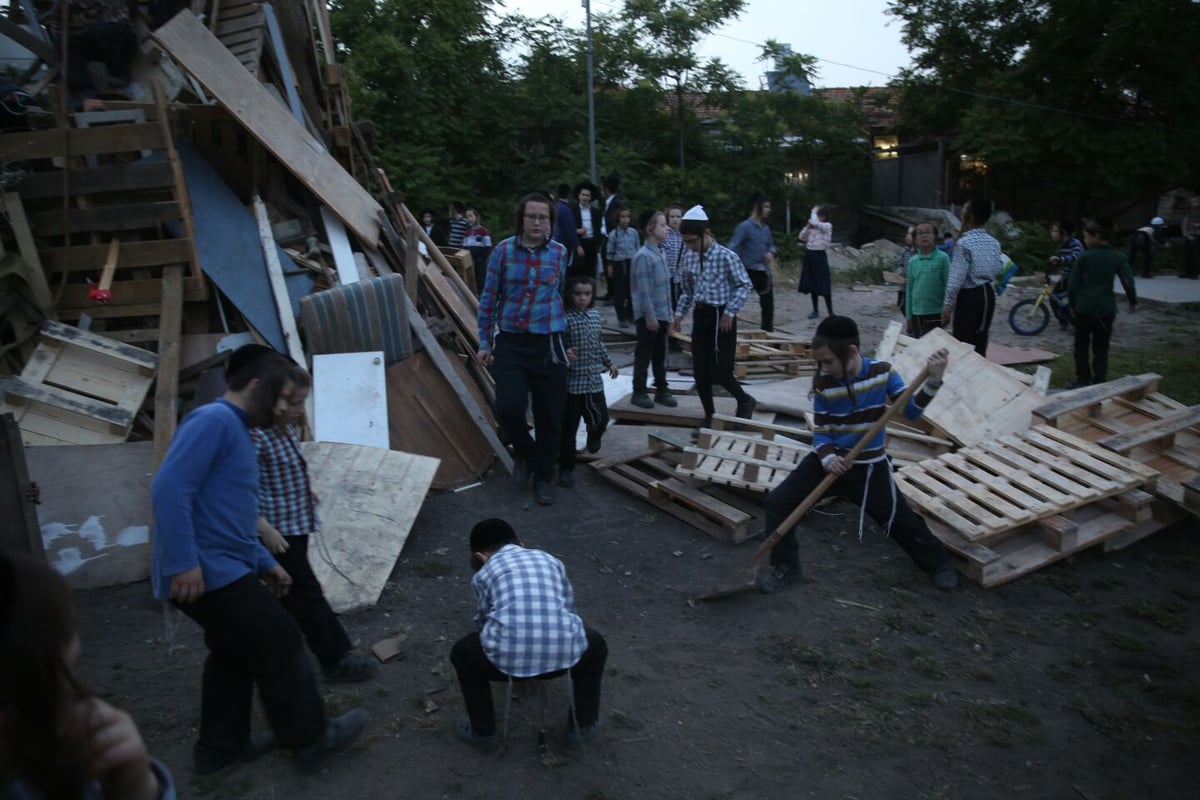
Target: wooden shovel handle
<point>822,487</point>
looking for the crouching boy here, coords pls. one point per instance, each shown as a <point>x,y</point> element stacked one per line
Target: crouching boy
<point>528,628</point>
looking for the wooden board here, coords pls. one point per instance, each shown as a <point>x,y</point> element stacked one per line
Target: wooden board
<point>979,401</point>
<point>20,532</point>
<point>689,412</point>
<point>369,500</point>
<point>79,388</point>
<point>1007,356</point>
<point>203,55</point>
<point>983,493</point>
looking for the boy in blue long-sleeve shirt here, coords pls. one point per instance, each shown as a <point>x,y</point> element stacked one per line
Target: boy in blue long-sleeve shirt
<point>208,561</point>
<point>851,392</point>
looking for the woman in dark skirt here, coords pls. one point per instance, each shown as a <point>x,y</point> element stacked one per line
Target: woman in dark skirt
<point>814,276</point>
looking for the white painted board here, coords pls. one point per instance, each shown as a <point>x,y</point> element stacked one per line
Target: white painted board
<point>350,399</point>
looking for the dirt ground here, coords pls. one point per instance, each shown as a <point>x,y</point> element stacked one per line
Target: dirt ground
<point>1078,681</point>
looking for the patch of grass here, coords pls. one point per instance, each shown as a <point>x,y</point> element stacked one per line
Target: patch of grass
<point>1126,727</point>
<point>926,663</point>
<point>981,674</point>
<point>1181,381</point>
<point>869,273</point>
<point>432,568</point>
<point>1003,723</point>
<point>1170,615</point>
<point>1126,643</point>
<point>863,681</point>
<point>920,699</point>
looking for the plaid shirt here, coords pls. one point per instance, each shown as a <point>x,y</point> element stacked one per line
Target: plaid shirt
<point>523,290</point>
<point>285,495</point>
<point>591,356</point>
<point>623,244</point>
<point>976,261</point>
<point>527,620</point>
<point>650,285</point>
<point>672,250</point>
<point>718,280</point>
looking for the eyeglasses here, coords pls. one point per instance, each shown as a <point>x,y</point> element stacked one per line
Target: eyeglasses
<point>924,233</point>
<point>536,218</point>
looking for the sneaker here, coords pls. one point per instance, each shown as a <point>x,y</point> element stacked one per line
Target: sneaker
<point>642,400</point>
<point>566,479</point>
<point>663,397</point>
<point>576,738</point>
<point>945,578</point>
<point>484,744</point>
<point>206,761</point>
<point>779,577</point>
<point>745,408</point>
<point>814,315</point>
<point>340,733</point>
<point>624,323</point>
<point>351,669</point>
<point>593,442</point>
<point>520,471</point>
<point>543,492</point>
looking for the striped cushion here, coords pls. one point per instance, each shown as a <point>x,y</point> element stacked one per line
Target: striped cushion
<point>359,317</point>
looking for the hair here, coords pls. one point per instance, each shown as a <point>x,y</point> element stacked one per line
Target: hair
<point>488,536</point>
<point>569,288</point>
<point>458,207</point>
<point>564,191</point>
<point>432,214</point>
<point>823,212</point>
<point>298,376</point>
<point>757,200</point>
<point>532,197</point>
<point>1099,227</point>
<point>646,219</point>
<point>1065,227</point>
<point>838,334</point>
<point>932,225</point>
<point>591,187</point>
<point>612,183</point>
<point>980,209</point>
<point>478,216</point>
<point>248,362</point>
<point>42,734</point>
<point>675,207</point>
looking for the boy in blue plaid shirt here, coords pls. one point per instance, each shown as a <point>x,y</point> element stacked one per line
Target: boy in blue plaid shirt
<point>588,358</point>
<point>287,516</point>
<point>528,628</point>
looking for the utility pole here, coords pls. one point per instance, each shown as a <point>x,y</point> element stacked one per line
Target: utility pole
<point>591,95</point>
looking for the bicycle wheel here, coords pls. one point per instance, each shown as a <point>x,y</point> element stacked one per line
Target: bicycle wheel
<point>1029,318</point>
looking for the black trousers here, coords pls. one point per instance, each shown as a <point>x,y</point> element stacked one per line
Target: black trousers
<point>712,356</point>
<point>973,314</point>
<point>924,323</point>
<point>591,408</point>
<point>619,290</point>
<point>253,641</point>
<point>765,288</point>
<point>1141,244</point>
<point>908,529</point>
<point>531,366</point>
<point>476,673</point>
<point>306,603</point>
<point>650,352</point>
<point>588,265</point>
<point>1092,332</point>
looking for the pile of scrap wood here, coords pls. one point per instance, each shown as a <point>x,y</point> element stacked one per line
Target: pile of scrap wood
<point>146,238</point>
<point>760,354</point>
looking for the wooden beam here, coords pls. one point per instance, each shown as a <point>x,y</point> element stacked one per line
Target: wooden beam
<point>1091,397</point>
<point>1160,432</point>
<point>131,177</point>
<point>166,390</point>
<point>87,258</point>
<point>26,145</point>
<point>283,301</point>
<point>109,219</point>
<point>35,276</point>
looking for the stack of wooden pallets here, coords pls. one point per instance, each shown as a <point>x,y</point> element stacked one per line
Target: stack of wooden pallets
<point>760,353</point>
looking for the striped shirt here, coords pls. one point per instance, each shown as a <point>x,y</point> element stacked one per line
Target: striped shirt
<point>623,244</point>
<point>839,421</point>
<point>285,495</point>
<point>650,285</point>
<point>523,290</point>
<point>976,261</point>
<point>527,620</point>
<point>458,229</point>
<point>591,356</point>
<point>719,279</point>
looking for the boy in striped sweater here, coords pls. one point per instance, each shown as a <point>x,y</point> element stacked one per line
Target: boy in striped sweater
<point>850,392</point>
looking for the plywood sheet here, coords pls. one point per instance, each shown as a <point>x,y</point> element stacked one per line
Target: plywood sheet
<point>369,500</point>
<point>350,392</point>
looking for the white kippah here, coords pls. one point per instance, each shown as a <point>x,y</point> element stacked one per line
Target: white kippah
<point>696,212</point>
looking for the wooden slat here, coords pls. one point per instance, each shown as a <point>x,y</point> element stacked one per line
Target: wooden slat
<point>75,296</point>
<point>130,177</point>
<point>86,258</point>
<point>1161,432</point>
<point>66,401</point>
<point>1080,399</point>
<point>166,390</point>
<point>108,219</point>
<point>27,145</point>
<point>74,337</point>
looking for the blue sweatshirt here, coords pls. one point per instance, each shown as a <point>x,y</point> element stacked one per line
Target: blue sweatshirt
<point>205,501</point>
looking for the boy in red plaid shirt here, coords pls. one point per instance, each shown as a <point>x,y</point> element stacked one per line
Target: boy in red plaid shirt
<point>287,515</point>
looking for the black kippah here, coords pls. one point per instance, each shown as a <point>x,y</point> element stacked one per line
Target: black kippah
<point>490,534</point>
<point>244,356</point>
<point>842,328</point>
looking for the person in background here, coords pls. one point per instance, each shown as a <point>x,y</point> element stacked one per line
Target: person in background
<point>1142,242</point>
<point>650,289</point>
<point>754,246</point>
<point>928,271</point>
<point>610,189</point>
<point>57,739</point>
<point>623,244</point>
<point>478,242</point>
<point>970,291</point>
<point>565,232</point>
<point>588,223</point>
<point>947,244</point>
<point>458,224</point>
<point>814,275</point>
<point>588,359</point>
<point>1093,303</point>
<point>432,229</point>
<point>906,253</point>
<point>1069,251</point>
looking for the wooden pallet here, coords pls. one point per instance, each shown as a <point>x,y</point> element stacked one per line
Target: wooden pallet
<point>760,353</point>
<point>1131,417</point>
<point>78,388</point>
<point>651,476</point>
<point>985,492</point>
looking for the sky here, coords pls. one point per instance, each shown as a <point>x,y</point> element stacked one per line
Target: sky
<point>858,35</point>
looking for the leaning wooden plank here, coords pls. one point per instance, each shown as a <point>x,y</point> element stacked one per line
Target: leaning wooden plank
<point>1135,386</point>
<point>430,342</point>
<point>166,389</point>
<point>34,275</point>
<point>369,500</point>
<point>283,302</point>
<point>203,55</point>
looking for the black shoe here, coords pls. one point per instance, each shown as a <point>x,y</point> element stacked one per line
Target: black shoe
<point>593,442</point>
<point>642,400</point>
<point>206,761</point>
<point>663,397</point>
<point>566,479</point>
<point>340,733</point>
<point>486,744</point>
<point>707,423</point>
<point>745,408</point>
<point>351,669</point>
<point>520,469</point>
<point>576,738</point>
<point>780,576</point>
<point>945,578</point>
<point>543,492</point>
